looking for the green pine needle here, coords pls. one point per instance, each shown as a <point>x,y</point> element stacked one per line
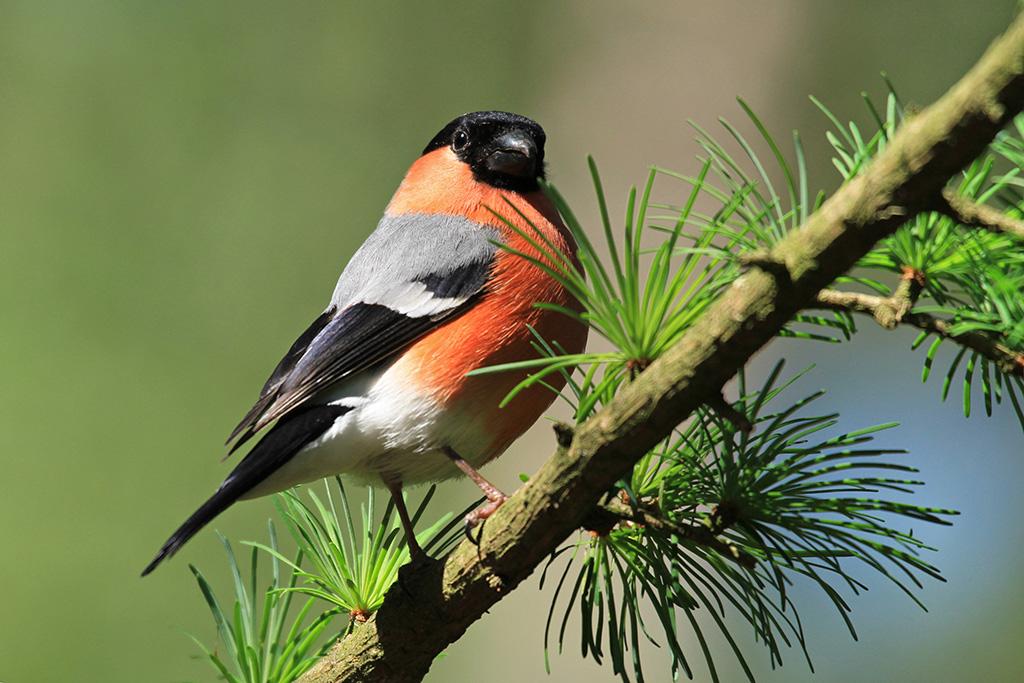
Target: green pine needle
<point>800,504</point>
<point>256,648</point>
<point>352,569</point>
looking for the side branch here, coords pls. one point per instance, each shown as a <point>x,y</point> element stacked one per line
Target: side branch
<point>1006,359</point>
<point>975,215</point>
<point>435,604</point>
<point>887,311</point>
<point>618,512</point>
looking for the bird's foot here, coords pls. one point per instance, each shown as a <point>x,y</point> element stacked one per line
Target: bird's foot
<point>495,497</point>
<point>476,518</point>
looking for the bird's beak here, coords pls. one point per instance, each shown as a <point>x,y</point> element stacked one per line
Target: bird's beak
<point>515,153</point>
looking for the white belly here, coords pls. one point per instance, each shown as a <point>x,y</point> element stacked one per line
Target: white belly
<point>392,431</point>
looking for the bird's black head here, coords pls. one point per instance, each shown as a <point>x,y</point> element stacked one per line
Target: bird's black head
<point>504,150</point>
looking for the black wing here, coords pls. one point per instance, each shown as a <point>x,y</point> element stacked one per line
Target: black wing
<point>413,273</point>
<point>358,338</point>
<point>285,366</point>
<point>335,347</point>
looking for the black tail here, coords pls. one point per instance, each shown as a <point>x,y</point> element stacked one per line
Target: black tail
<point>218,503</point>
<point>275,449</point>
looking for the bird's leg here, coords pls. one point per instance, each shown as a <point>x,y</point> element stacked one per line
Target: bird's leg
<point>495,497</point>
<point>416,553</point>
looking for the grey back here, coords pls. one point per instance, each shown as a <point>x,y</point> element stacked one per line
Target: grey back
<point>418,264</point>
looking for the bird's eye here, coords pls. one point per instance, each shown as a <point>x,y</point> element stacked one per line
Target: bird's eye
<point>460,140</point>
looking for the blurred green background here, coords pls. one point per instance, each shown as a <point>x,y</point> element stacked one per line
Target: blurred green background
<point>180,184</point>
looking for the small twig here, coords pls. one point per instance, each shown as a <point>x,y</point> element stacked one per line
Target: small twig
<point>701,535</point>
<point>880,308</point>
<point>907,292</point>
<point>975,215</point>
<point>887,311</point>
<point>853,302</point>
<point>1006,359</point>
<point>726,410</point>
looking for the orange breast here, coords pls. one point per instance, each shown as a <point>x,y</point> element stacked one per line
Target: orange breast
<point>496,330</point>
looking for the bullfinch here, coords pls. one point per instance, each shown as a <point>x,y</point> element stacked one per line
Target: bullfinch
<point>377,387</point>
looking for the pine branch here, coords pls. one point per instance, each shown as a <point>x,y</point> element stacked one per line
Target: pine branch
<point>617,512</point>
<point>726,410</point>
<point>881,309</point>
<point>435,604</point>
<point>974,215</point>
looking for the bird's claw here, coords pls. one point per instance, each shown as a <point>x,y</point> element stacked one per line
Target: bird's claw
<point>477,517</point>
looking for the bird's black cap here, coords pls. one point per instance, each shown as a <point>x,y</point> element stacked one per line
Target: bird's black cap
<point>503,149</point>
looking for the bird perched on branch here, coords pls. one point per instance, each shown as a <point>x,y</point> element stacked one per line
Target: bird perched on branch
<point>377,388</point>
